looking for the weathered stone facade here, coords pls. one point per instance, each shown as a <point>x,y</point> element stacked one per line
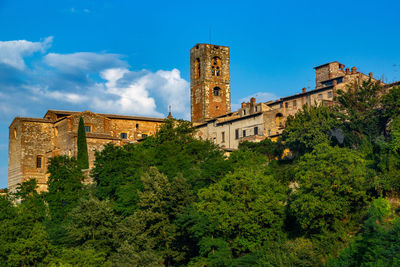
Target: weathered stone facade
<point>32,141</point>
<point>209,82</point>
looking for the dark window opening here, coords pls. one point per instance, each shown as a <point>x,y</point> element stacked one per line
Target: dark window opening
<point>286,104</point>
<point>237,134</point>
<point>223,137</point>
<point>281,105</point>
<point>244,133</point>
<point>124,135</point>
<point>137,125</point>
<point>144,135</point>
<point>216,66</point>
<point>294,103</point>
<point>39,162</point>
<point>197,68</point>
<point>88,129</point>
<point>256,130</point>
<point>217,91</point>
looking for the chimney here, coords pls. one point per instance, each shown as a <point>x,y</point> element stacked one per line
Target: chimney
<point>252,105</point>
<point>347,71</point>
<point>353,70</point>
<point>371,75</point>
<point>304,90</point>
<point>243,104</point>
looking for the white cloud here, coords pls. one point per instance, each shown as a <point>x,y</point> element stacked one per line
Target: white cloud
<point>13,52</point>
<point>140,92</point>
<point>84,61</point>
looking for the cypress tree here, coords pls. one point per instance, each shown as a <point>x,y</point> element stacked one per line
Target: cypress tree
<point>83,157</point>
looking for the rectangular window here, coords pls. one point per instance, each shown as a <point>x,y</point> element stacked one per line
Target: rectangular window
<point>281,105</point>
<point>223,137</point>
<point>255,130</point>
<point>39,162</point>
<point>144,135</point>
<point>330,94</point>
<point>286,104</point>
<point>88,129</point>
<point>237,134</point>
<point>319,96</point>
<point>244,133</point>
<point>244,112</point>
<point>294,103</point>
<point>124,135</point>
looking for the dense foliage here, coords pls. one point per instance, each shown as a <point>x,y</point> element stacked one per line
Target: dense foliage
<point>173,200</point>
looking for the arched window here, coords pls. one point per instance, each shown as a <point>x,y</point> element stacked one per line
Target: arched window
<point>197,68</point>
<point>217,91</point>
<point>279,120</point>
<point>216,66</point>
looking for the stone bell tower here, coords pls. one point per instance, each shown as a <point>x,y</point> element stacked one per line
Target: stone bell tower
<point>210,91</point>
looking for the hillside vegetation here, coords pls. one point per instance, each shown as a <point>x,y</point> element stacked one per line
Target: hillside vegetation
<point>173,200</point>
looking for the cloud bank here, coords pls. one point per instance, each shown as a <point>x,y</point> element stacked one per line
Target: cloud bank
<point>33,80</point>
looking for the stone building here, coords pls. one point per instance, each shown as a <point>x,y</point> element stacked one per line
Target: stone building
<point>257,121</point>
<point>32,141</point>
<point>210,92</point>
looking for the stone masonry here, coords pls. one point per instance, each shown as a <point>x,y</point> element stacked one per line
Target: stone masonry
<point>33,141</point>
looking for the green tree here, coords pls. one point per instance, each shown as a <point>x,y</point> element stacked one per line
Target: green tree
<point>378,244</point>
<point>83,157</point>
<point>391,103</point>
<point>240,212</point>
<point>160,203</point>
<point>273,150</point>
<point>362,109</point>
<point>331,189</point>
<point>173,151</point>
<point>64,186</point>
<point>311,126</point>
<point>91,225</point>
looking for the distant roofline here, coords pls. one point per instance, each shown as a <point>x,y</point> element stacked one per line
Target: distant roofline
<point>323,65</point>
<point>209,44</point>
<point>110,116</point>
<point>30,120</point>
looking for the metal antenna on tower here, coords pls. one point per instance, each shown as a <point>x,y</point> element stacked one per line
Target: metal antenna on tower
<point>169,112</point>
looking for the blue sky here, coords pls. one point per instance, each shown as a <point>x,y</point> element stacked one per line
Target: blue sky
<point>132,57</point>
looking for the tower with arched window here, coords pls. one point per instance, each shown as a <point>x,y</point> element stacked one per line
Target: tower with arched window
<point>210,92</point>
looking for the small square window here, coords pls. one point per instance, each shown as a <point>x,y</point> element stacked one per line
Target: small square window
<point>124,135</point>
<point>88,129</point>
